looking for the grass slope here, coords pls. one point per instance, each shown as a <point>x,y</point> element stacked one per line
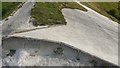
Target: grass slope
<point>108,9</point>
<point>49,13</point>
<point>8,8</point>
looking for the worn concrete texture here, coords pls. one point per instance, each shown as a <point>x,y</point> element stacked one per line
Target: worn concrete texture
<point>41,52</point>
<point>87,31</point>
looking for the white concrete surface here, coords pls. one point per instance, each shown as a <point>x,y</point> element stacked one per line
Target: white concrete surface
<point>87,31</point>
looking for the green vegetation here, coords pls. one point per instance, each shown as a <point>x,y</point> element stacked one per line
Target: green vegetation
<point>108,9</point>
<point>119,8</point>
<point>0,10</point>
<point>8,8</point>
<point>47,13</point>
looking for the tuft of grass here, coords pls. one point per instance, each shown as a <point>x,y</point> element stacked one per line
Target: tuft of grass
<point>8,8</point>
<point>106,9</point>
<point>49,13</point>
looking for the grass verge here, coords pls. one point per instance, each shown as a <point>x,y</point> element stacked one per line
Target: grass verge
<point>49,13</point>
<point>108,9</point>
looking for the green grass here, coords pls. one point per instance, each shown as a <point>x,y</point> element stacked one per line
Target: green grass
<point>49,13</point>
<point>0,10</point>
<point>108,9</point>
<point>8,8</point>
